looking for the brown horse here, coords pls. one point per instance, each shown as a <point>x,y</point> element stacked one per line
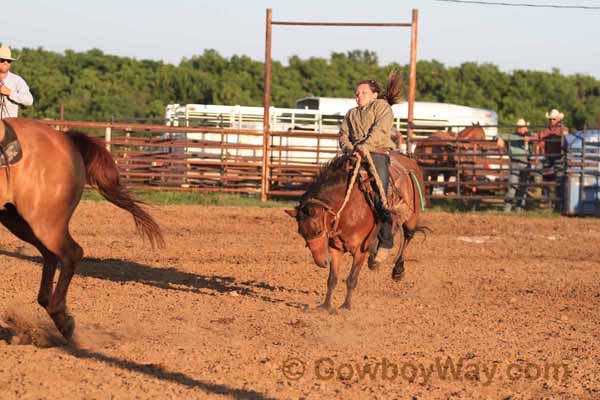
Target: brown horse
<point>441,152</point>
<point>40,192</point>
<point>328,235</point>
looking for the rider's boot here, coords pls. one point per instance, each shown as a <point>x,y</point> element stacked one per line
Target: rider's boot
<point>386,238</point>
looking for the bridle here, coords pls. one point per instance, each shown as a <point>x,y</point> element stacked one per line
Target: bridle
<point>332,231</point>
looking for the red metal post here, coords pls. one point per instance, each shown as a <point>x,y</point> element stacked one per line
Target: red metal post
<point>412,83</point>
<point>267,105</point>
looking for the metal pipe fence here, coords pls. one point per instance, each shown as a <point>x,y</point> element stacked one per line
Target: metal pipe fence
<point>232,160</point>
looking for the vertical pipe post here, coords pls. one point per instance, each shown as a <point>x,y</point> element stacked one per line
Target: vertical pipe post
<point>267,105</point>
<point>108,137</point>
<point>412,83</point>
<point>581,199</point>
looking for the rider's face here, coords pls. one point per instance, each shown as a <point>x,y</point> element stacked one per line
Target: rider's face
<point>4,66</point>
<point>364,95</point>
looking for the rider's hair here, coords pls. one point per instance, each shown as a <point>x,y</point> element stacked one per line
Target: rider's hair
<point>393,88</point>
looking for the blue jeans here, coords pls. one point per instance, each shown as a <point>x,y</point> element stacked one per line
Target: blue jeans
<point>517,185</point>
<point>382,165</point>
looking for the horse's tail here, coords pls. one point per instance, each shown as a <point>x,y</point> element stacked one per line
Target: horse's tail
<point>103,175</point>
<point>424,229</point>
<point>393,90</point>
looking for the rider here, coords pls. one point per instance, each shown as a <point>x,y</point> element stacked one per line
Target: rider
<point>366,129</point>
<point>13,89</point>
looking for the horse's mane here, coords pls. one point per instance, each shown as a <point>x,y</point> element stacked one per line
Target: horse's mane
<point>331,174</point>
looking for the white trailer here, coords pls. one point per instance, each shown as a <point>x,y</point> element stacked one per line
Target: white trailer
<point>427,116</point>
<point>313,114</point>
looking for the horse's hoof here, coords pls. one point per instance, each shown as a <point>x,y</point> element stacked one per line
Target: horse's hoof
<point>398,272</point>
<point>64,323</point>
<point>68,328</point>
<point>345,306</point>
<point>324,307</point>
<point>373,266</point>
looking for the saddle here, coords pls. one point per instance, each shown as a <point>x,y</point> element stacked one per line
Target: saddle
<point>10,148</point>
<point>402,196</point>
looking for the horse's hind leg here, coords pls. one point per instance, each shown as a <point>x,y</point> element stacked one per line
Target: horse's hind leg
<point>398,269</point>
<point>53,240</point>
<point>408,230</point>
<point>358,260</point>
<point>69,254</point>
<point>11,219</point>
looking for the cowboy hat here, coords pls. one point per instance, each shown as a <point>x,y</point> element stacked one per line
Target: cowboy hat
<point>555,114</point>
<point>522,122</point>
<point>5,53</point>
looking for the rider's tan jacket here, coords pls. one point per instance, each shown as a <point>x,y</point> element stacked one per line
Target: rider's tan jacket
<point>369,126</point>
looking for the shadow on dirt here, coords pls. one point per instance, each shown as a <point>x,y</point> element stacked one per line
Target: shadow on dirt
<point>6,335</point>
<point>151,370</point>
<point>173,279</point>
<point>158,372</point>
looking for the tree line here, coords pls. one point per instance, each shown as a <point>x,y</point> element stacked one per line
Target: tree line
<point>94,86</point>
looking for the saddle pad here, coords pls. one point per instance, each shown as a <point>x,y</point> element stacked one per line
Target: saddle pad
<point>10,148</point>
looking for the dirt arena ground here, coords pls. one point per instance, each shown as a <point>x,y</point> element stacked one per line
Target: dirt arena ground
<point>491,307</point>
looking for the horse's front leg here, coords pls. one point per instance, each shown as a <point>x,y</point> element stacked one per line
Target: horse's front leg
<point>334,265</point>
<point>359,258</point>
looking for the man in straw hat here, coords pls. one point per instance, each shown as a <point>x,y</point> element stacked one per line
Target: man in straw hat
<point>549,141</point>
<point>14,91</point>
<point>517,147</point>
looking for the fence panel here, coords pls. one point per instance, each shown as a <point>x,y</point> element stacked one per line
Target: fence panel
<point>230,159</point>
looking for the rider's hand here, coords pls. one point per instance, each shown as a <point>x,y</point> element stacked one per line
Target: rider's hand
<point>4,90</point>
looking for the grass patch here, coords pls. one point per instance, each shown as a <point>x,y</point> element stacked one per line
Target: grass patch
<point>172,197</point>
<point>457,206</point>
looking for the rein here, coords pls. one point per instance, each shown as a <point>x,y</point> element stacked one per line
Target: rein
<point>3,107</point>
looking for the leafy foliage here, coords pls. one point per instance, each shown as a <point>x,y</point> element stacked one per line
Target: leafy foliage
<point>96,86</point>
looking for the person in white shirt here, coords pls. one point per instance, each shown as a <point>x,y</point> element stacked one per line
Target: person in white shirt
<point>14,91</point>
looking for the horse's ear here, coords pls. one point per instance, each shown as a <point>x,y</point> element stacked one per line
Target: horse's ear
<point>292,213</point>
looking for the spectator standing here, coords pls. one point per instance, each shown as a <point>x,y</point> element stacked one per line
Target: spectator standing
<point>517,146</point>
<point>14,91</point>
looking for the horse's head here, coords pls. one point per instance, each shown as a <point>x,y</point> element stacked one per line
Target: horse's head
<point>473,132</point>
<point>314,220</point>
